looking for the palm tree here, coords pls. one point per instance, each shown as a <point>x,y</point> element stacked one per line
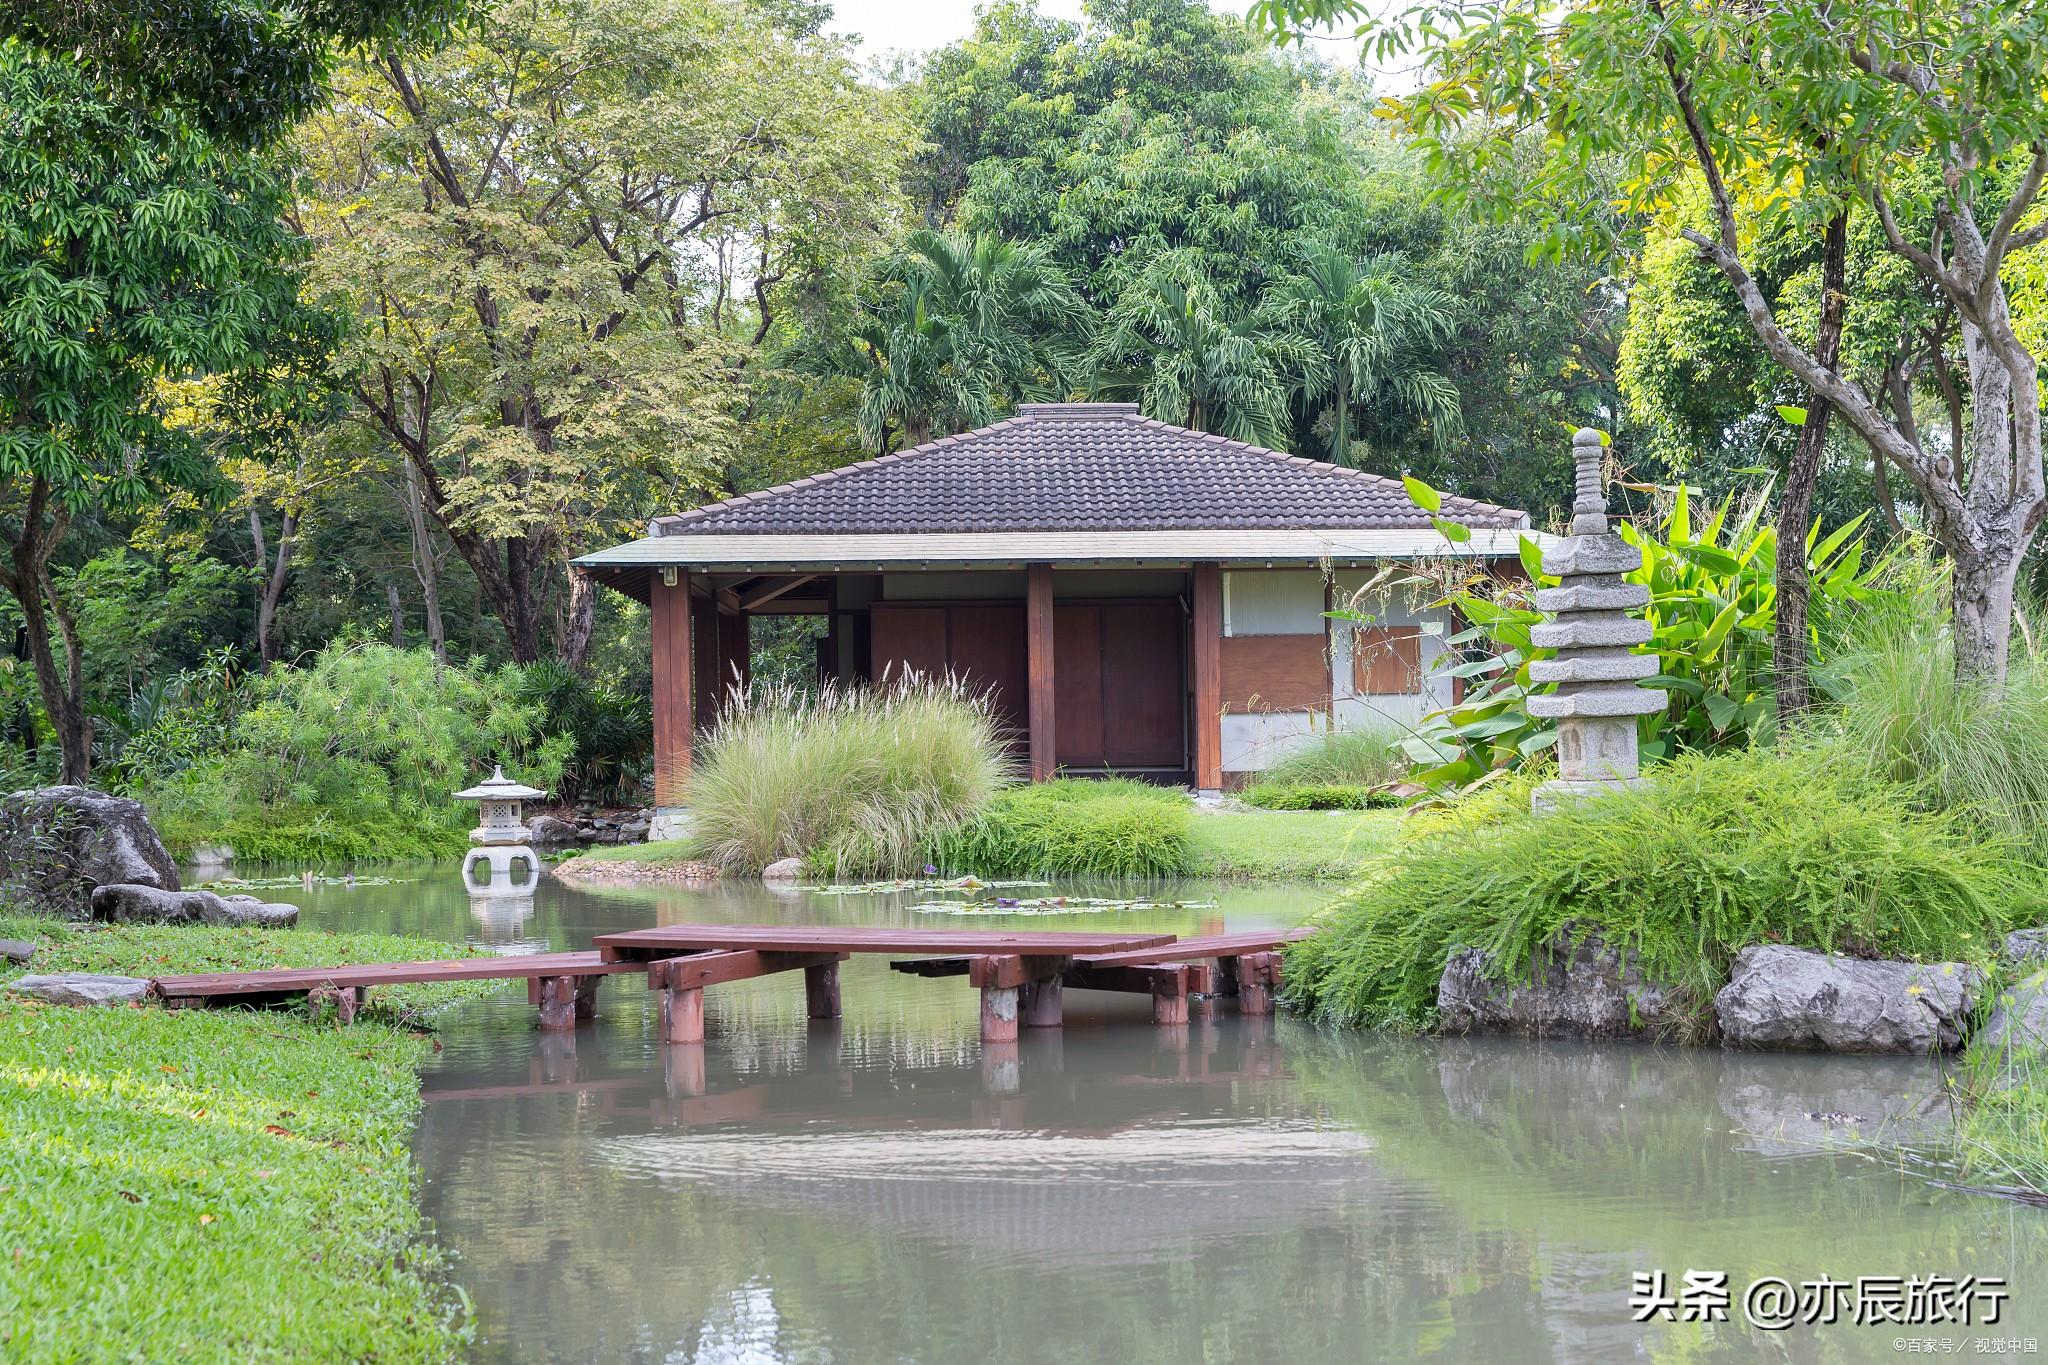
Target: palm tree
<point>1166,339</point>
<point>1368,335</point>
<point>973,323</point>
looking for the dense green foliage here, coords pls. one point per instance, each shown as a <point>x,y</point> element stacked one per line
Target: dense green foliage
<point>1721,852</point>
<point>1711,613</point>
<point>1364,755</point>
<point>1078,827</point>
<point>853,780</point>
<point>204,1184</point>
<point>355,757</point>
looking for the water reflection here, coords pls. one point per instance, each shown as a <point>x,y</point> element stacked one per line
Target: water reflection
<point>884,1188</point>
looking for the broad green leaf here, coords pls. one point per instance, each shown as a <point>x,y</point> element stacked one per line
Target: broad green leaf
<point>1422,495</point>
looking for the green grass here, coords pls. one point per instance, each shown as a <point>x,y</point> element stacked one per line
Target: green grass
<point>658,851</point>
<point>230,1185</point>
<point>1716,854</point>
<point>2001,1134</point>
<point>1366,755</point>
<point>1318,796</point>
<point>1117,827</point>
<point>1288,845</point>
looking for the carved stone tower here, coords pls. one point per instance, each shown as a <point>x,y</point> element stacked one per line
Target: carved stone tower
<point>1597,700</point>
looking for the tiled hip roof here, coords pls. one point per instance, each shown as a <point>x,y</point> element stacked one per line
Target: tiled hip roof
<point>1080,467</point>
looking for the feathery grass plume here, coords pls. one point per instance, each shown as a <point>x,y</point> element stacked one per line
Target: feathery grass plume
<point>853,779</point>
<point>1801,846</point>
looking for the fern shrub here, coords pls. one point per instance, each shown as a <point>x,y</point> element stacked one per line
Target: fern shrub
<point>851,779</point>
<point>1114,827</point>
<point>1718,853</point>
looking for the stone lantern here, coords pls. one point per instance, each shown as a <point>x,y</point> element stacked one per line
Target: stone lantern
<point>1596,669</point>
<point>501,835</point>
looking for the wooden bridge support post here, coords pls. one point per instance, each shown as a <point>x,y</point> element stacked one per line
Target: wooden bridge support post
<point>586,998</point>
<point>1043,1003</point>
<point>1257,975</point>
<point>348,1001</point>
<point>821,991</point>
<point>682,1007</point>
<point>558,1003</point>
<point>1170,997</point>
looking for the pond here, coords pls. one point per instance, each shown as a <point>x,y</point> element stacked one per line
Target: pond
<point>1255,1190</point>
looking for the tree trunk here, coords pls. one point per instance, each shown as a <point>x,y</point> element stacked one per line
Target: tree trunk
<point>1985,586</point>
<point>425,566</point>
<point>2004,504</point>
<point>397,605</point>
<point>275,574</point>
<point>27,577</point>
<point>580,621</point>
<point>1795,504</point>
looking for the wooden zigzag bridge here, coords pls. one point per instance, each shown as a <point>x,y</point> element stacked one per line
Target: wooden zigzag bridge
<point>1023,975</point>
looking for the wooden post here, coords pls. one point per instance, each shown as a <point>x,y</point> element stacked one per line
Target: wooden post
<point>1257,975</point>
<point>1207,649</point>
<point>735,651</point>
<point>586,997</point>
<point>682,1007</point>
<point>1170,998</point>
<point>999,1007</point>
<point>1043,1003</point>
<point>1038,637</point>
<point>558,1002</point>
<point>671,692</point>
<point>821,991</point>
<point>1003,978</point>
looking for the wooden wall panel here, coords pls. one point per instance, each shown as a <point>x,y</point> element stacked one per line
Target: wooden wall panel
<point>1141,685</point>
<point>1386,661</point>
<point>1275,673</point>
<point>985,646</point>
<point>1077,685</point>
<point>906,637</point>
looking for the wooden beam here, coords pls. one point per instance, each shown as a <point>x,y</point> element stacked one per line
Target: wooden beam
<point>1207,627</point>
<point>712,969</point>
<point>673,687</point>
<point>761,597</point>
<point>1038,634</point>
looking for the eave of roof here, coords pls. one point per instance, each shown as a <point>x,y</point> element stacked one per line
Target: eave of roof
<point>763,553</point>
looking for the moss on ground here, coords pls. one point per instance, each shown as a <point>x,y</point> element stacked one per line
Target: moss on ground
<point>215,1184</point>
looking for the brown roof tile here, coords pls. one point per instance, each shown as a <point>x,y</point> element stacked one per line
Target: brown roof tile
<point>1079,467</point>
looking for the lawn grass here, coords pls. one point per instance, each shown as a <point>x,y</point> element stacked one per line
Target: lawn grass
<point>229,1185</point>
<point>1288,845</point>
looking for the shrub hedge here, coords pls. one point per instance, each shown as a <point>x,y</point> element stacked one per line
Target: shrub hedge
<point>1112,828</point>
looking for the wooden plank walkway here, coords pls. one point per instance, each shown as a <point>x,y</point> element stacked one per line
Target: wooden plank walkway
<point>1021,973</point>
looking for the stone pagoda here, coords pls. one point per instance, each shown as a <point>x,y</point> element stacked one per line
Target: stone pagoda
<point>1596,672</point>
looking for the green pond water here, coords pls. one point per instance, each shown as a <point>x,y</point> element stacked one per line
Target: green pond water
<point>884,1189</point>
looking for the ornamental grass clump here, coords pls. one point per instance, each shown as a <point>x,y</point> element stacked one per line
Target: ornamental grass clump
<point>1364,755</point>
<point>1112,827</point>
<point>1719,852</point>
<point>855,780</point>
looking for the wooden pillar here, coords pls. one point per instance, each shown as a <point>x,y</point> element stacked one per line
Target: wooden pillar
<point>735,651</point>
<point>673,684</point>
<point>821,991</point>
<point>586,998</point>
<point>1257,976</point>
<point>1207,648</point>
<point>558,1002</point>
<point>707,685</point>
<point>1043,1004</point>
<point>1039,647</point>
<point>682,1014</point>
<point>1170,997</point>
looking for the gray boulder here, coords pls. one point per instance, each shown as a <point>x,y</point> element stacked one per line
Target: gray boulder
<point>550,831</point>
<point>82,988</point>
<point>58,843</point>
<point>784,871</point>
<point>1795,998</point>
<point>2017,1028</point>
<point>17,950</point>
<point>2027,945</point>
<point>1581,989</point>
<point>149,905</point>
